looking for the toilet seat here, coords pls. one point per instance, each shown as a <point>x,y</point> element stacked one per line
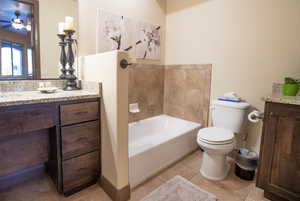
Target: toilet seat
<point>215,136</point>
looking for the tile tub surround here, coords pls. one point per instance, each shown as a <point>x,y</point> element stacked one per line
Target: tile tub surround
<point>181,91</point>
<point>187,92</point>
<point>146,87</point>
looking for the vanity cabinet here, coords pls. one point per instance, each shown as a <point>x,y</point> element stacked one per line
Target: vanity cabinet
<point>62,138</point>
<point>279,166</point>
<point>80,145</point>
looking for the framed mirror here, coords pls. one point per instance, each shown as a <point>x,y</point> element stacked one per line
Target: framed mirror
<point>28,37</point>
<point>19,40</point>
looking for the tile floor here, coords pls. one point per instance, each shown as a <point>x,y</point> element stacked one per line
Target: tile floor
<point>230,189</point>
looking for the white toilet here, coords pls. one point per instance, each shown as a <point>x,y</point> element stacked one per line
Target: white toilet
<point>218,141</point>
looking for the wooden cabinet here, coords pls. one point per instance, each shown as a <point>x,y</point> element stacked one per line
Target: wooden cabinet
<point>64,137</point>
<point>279,167</point>
<point>80,144</point>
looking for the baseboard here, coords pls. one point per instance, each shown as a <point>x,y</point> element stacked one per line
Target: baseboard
<point>273,197</point>
<point>114,193</point>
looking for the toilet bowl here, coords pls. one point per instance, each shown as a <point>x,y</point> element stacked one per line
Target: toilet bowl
<point>216,143</point>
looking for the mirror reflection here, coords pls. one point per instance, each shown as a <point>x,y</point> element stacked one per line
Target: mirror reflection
<point>28,37</point>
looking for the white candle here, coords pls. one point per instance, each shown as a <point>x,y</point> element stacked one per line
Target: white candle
<point>69,22</point>
<point>61,28</point>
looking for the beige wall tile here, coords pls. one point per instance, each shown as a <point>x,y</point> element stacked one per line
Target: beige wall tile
<point>187,92</point>
<point>146,87</point>
<point>181,91</point>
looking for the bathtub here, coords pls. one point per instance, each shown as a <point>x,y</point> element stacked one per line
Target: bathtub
<point>156,143</point>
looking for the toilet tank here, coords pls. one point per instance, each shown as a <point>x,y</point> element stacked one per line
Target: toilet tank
<point>229,115</point>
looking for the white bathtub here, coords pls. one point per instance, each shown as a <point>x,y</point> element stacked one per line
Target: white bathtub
<point>157,142</point>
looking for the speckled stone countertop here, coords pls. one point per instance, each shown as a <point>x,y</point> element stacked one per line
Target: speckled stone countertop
<point>31,97</point>
<point>294,100</point>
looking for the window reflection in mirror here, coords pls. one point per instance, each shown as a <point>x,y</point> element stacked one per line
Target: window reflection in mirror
<point>32,25</point>
<point>19,55</point>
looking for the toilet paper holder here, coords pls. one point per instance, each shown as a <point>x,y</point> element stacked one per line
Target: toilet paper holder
<point>255,116</point>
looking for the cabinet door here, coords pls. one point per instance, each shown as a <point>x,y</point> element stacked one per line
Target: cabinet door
<point>279,172</point>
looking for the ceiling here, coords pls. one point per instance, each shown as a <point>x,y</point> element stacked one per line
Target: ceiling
<point>7,12</point>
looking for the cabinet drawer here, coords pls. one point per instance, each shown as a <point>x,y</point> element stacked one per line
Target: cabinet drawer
<point>22,120</point>
<point>80,171</point>
<point>76,113</point>
<point>283,110</point>
<point>80,138</point>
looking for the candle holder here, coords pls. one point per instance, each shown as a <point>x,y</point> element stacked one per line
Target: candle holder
<point>63,56</point>
<point>70,77</point>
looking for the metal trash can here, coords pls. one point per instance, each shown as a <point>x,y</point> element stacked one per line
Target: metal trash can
<point>245,164</point>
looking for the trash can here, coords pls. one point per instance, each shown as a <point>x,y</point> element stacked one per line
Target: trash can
<point>245,164</point>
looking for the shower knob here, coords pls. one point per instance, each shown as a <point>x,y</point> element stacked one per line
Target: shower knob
<point>124,63</point>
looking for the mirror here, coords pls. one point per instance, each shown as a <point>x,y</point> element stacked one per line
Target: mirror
<point>28,37</point>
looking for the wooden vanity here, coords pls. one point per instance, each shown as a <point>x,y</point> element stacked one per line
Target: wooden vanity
<point>61,138</point>
<point>279,167</point>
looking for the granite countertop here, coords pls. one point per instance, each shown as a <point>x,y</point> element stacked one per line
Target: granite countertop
<point>294,100</point>
<point>31,97</point>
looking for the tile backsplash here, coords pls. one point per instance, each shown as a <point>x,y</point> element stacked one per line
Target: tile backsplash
<point>32,85</point>
<point>27,85</point>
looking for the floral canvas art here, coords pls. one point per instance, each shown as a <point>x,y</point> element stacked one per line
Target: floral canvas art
<point>115,33</point>
<point>148,46</point>
<point>139,39</point>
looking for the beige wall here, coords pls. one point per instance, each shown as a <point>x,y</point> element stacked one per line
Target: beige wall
<point>51,13</point>
<point>152,11</point>
<point>250,43</point>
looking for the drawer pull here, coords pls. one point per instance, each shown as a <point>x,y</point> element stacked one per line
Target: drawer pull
<point>82,139</point>
<point>81,113</point>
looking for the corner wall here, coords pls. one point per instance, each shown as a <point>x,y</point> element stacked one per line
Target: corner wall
<point>105,68</point>
<point>250,43</point>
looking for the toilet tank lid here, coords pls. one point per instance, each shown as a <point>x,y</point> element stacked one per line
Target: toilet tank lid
<point>239,105</point>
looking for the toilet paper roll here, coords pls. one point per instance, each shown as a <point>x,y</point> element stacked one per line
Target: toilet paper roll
<point>254,116</point>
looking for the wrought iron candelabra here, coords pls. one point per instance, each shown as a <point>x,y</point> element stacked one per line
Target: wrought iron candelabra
<point>70,77</point>
<point>63,56</point>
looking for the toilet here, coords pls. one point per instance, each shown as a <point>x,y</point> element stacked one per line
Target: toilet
<point>218,141</point>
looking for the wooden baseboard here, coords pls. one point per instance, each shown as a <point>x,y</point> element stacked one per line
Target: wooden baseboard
<point>114,193</point>
<point>273,197</point>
